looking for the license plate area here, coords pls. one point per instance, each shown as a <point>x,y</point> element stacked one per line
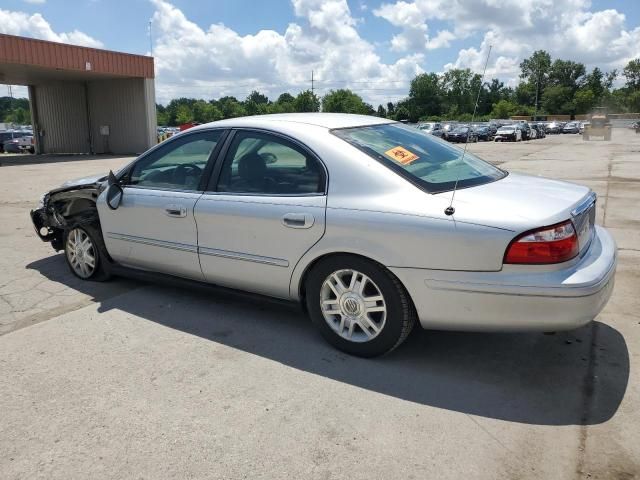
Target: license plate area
<point>584,221</point>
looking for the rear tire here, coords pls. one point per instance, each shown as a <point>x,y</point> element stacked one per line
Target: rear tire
<point>85,252</point>
<point>359,306</point>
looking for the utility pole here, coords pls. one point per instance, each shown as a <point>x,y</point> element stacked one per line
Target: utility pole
<point>535,114</point>
<point>150,39</point>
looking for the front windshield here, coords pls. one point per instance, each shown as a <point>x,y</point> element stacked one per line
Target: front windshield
<point>425,160</point>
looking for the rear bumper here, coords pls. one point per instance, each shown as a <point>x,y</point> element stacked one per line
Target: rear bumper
<point>514,298</point>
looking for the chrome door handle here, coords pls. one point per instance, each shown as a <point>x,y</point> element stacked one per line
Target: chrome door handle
<point>298,220</point>
<point>175,210</point>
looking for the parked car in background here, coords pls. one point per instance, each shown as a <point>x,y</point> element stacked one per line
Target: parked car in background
<point>10,135</point>
<point>539,129</point>
<point>571,127</point>
<point>448,127</point>
<point>508,133</point>
<point>582,126</point>
<point>533,132</point>
<point>434,128</point>
<point>555,127</point>
<point>483,132</point>
<point>274,205</point>
<point>462,134</point>
<point>20,145</point>
<point>525,129</point>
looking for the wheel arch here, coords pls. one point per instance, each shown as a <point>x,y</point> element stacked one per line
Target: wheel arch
<point>299,282</point>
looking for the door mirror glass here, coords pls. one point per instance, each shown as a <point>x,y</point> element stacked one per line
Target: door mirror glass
<point>114,196</point>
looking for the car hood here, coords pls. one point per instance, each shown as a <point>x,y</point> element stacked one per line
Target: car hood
<point>83,181</point>
<point>518,202</point>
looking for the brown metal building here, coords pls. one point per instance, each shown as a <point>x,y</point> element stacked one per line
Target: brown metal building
<point>83,100</point>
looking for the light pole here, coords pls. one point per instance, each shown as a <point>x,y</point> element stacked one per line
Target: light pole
<point>150,39</point>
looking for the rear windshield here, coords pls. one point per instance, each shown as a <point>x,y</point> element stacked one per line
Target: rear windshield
<point>424,159</point>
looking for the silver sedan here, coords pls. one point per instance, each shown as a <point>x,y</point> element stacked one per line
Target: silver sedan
<point>370,224</point>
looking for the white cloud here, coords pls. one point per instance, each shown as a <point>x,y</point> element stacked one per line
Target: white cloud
<point>566,28</point>
<point>35,2</point>
<point>20,23</point>
<point>216,61</point>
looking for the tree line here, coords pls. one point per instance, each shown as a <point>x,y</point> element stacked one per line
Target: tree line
<point>547,86</point>
<point>15,110</point>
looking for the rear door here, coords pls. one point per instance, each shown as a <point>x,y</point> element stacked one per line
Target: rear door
<point>264,209</point>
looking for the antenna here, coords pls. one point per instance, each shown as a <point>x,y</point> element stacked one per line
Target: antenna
<point>450,210</point>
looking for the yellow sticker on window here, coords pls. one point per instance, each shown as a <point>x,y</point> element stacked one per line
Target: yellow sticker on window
<point>401,155</point>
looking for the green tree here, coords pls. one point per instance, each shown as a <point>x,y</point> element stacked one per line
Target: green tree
<point>632,73</point>
<point>183,114</point>
<point>231,107</point>
<point>566,73</point>
<point>425,95</point>
<point>584,100</point>
<point>284,104</point>
<point>204,112</point>
<point>381,111</point>
<point>461,87</point>
<point>503,109</point>
<point>14,110</point>
<point>306,101</point>
<point>558,99</point>
<point>535,70</point>
<point>344,101</point>
<point>391,109</point>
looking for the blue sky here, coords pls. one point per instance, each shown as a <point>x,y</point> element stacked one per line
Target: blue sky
<point>373,47</point>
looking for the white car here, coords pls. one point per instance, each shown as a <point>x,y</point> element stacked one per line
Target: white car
<point>508,133</point>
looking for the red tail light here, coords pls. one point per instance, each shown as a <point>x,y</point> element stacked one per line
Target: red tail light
<point>553,244</point>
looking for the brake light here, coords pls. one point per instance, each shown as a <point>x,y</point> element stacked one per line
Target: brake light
<point>553,244</point>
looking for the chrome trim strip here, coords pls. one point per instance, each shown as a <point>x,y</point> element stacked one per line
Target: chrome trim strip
<point>214,252</point>
<point>153,242</point>
<point>584,204</point>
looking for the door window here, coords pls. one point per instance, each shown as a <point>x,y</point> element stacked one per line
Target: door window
<point>259,163</point>
<point>178,165</point>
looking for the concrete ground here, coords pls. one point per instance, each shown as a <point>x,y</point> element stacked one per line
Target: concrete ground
<point>132,379</point>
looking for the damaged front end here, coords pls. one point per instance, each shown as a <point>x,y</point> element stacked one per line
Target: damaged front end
<point>72,204</point>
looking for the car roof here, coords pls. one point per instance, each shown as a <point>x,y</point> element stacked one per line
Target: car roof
<point>326,120</point>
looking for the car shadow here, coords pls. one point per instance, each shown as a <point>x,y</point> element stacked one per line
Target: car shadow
<point>570,378</point>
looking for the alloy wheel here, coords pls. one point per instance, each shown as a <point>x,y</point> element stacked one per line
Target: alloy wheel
<point>353,305</point>
<point>81,253</point>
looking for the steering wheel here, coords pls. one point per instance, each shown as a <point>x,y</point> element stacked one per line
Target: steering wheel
<point>181,173</point>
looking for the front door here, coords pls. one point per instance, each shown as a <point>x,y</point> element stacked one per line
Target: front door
<point>154,227</point>
<point>264,211</point>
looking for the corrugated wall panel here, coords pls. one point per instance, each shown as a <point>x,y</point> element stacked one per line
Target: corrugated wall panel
<point>62,116</point>
<point>123,106</point>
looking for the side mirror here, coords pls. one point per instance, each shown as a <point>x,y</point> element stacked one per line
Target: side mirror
<point>114,196</point>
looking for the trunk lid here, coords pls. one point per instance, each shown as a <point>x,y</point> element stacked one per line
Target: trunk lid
<point>522,202</point>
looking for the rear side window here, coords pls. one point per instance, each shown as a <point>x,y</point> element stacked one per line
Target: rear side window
<point>423,159</point>
<point>260,163</point>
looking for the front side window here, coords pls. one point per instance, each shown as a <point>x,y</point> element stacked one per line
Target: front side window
<point>260,163</point>
<point>423,159</point>
<point>178,165</point>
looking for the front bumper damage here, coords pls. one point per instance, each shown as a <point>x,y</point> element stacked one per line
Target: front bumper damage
<point>63,207</point>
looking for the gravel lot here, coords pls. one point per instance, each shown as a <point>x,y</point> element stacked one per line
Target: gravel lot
<point>148,380</point>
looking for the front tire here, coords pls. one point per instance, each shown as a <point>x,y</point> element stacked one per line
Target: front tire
<point>358,306</point>
<point>85,252</point>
